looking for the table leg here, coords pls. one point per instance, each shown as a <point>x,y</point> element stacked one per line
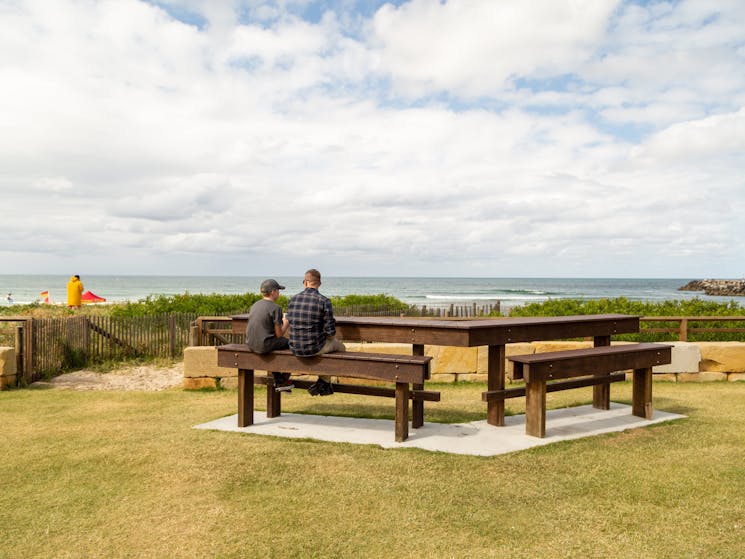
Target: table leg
<point>273,398</point>
<point>245,397</point>
<point>417,406</point>
<point>601,392</point>
<point>495,381</point>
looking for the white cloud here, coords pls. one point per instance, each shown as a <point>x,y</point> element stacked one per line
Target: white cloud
<point>446,137</point>
<point>718,137</point>
<point>479,48</point>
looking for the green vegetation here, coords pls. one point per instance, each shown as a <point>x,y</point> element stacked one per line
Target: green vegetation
<point>380,300</point>
<point>204,305</point>
<point>93,474</point>
<point>359,304</point>
<point>41,310</point>
<point>621,305</point>
<point>216,304</point>
<point>213,304</point>
<point>693,307</point>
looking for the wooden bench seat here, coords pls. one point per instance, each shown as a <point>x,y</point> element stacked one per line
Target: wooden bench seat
<point>403,370</point>
<point>602,362</point>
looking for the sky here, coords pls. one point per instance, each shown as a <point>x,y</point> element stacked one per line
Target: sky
<point>466,138</point>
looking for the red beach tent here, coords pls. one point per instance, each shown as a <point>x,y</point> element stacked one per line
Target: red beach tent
<point>89,297</point>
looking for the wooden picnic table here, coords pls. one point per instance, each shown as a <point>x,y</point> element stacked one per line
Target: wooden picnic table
<point>494,333</point>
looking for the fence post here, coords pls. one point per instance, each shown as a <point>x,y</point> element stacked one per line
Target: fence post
<point>28,344</point>
<point>683,336</point>
<point>19,354</point>
<point>87,337</point>
<point>193,335</point>
<point>171,336</point>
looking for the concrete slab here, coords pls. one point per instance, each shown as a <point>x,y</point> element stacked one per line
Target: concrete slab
<point>685,358</point>
<point>477,438</point>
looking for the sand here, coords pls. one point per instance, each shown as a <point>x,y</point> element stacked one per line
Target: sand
<point>145,377</point>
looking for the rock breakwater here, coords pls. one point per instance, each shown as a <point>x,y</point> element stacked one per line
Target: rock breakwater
<point>716,287</point>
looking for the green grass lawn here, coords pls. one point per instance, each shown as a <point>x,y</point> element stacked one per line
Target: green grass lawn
<point>102,474</point>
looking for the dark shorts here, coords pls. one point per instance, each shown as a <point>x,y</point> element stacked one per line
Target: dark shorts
<point>276,343</point>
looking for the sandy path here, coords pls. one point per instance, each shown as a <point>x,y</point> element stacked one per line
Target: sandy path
<point>144,377</point>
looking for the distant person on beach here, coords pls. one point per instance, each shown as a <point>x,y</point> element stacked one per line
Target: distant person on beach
<point>9,298</point>
<point>267,328</point>
<point>313,327</point>
<point>74,292</point>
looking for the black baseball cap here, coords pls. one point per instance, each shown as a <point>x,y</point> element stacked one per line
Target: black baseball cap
<point>269,285</point>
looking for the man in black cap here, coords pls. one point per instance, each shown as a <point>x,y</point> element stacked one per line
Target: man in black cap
<point>267,327</point>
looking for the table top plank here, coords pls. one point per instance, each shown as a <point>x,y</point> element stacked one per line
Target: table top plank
<point>494,331</point>
<point>480,332</point>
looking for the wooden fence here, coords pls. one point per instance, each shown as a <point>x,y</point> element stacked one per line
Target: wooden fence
<point>49,345</point>
<point>437,311</point>
<point>683,326</point>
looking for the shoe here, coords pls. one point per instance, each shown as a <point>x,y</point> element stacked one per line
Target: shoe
<point>325,388</point>
<point>282,382</point>
<point>314,389</point>
<point>286,387</point>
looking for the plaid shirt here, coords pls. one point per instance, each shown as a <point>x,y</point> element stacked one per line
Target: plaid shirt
<point>311,321</point>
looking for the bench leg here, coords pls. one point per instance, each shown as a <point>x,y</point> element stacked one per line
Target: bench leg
<point>402,411</point>
<point>273,398</point>
<point>641,402</point>
<point>245,397</point>
<point>417,406</point>
<point>601,392</point>
<point>535,409</point>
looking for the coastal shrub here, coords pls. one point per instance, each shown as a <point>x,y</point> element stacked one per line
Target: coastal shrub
<point>369,304</point>
<point>219,305</point>
<point>213,304</point>
<point>622,305</point>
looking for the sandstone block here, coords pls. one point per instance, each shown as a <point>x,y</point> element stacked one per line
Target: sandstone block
<point>472,377</point>
<point>379,347</point>
<point>202,362</point>
<point>685,359</point>
<point>452,359</point>
<point>722,357</point>
<point>7,381</point>
<point>523,348</point>
<point>443,377</point>
<point>736,377</point>
<point>229,382</point>
<point>702,377</point>
<point>7,361</point>
<point>359,381</point>
<point>544,347</point>
<point>668,377</point>
<point>195,383</point>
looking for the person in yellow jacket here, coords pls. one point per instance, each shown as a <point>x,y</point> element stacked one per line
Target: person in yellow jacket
<point>74,292</point>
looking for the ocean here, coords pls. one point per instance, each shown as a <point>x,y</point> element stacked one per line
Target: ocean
<point>432,292</point>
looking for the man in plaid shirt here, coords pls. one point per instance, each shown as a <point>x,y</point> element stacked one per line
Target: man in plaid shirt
<point>313,327</point>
